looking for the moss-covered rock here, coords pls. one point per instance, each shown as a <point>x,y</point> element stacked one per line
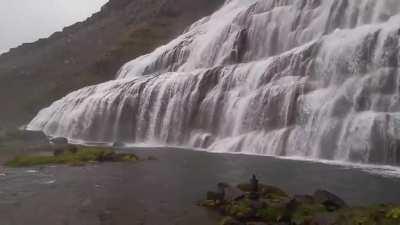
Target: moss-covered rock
<point>275,207</point>
<point>306,212</point>
<point>240,209</point>
<point>265,190</point>
<point>230,221</point>
<point>81,156</point>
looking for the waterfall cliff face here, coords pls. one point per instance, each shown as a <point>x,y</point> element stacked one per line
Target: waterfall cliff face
<point>307,78</point>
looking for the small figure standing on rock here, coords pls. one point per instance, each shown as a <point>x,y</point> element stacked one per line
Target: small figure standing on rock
<point>254,188</point>
<point>221,191</point>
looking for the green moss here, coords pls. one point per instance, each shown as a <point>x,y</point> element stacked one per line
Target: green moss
<point>240,209</point>
<point>305,212</point>
<point>394,214</point>
<point>82,156</point>
<point>373,215</point>
<point>270,214</point>
<point>227,221</point>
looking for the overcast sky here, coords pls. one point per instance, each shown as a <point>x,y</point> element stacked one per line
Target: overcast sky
<point>24,21</point>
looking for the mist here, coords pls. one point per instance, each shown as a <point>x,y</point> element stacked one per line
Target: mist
<point>25,21</point>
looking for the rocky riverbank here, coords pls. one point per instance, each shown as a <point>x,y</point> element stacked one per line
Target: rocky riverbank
<point>260,204</point>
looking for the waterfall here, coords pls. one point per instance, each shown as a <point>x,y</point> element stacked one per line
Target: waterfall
<point>306,78</point>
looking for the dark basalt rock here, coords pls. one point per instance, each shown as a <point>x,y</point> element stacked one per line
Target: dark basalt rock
<point>62,149</point>
<point>276,207</point>
<point>331,201</point>
<point>230,221</point>
<point>233,194</point>
<point>118,144</point>
<point>59,141</point>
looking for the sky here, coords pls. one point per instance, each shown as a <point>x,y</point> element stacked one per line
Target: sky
<point>24,21</point>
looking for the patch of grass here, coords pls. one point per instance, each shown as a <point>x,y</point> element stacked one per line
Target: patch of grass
<point>394,214</point>
<point>81,157</point>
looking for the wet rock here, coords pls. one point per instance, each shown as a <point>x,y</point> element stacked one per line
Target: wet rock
<point>331,201</point>
<point>233,193</point>
<point>256,223</point>
<point>105,217</point>
<point>264,190</point>
<point>214,196</point>
<point>59,141</point>
<point>324,219</point>
<point>241,210</point>
<point>118,144</point>
<point>256,205</point>
<point>289,211</point>
<point>268,190</point>
<point>304,199</point>
<point>62,149</point>
<point>230,221</point>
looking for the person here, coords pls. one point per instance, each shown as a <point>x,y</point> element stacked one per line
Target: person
<point>254,188</point>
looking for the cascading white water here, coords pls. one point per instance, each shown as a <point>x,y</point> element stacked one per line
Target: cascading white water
<point>308,78</point>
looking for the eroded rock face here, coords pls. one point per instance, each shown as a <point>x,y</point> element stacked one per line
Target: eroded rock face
<point>315,79</point>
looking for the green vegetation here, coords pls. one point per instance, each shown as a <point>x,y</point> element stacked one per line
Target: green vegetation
<point>273,206</point>
<point>239,209</point>
<point>394,214</point>
<point>82,156</point>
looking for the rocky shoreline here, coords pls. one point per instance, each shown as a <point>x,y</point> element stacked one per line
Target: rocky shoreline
<point>260,204</point>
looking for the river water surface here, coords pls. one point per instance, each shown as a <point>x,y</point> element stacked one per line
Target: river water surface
<point>165,191</point>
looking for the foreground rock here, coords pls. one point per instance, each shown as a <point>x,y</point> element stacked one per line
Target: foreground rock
<point>273,206</point>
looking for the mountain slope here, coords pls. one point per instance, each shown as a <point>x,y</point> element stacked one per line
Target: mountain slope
<point>90,52</point>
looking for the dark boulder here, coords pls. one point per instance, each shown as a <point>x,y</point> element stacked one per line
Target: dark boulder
<point>233,193</point>
<point>214,196</point>
<point>331,201</point>
<point>118,144</point>
<point>325,219</point>
<point>304,199</point>
<point>62,149</point>
<point>256,223</point>
<point>230,221</point>
<point>59,141</point>
<point>265,190</point>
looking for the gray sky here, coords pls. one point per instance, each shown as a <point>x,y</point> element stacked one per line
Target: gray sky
<point>23,21</point>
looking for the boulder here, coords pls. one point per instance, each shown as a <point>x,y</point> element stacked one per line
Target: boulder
<point>59,141</point>
<point>230,221</point>
<point>233,193</point>
<point>118,144</point>
<point>331,201</point>
<point>62,149</point>
<point>325,219</point>
<point>304,199</point>
<point>265,190</point>
<point>256,223</point>
<point>214,196</point>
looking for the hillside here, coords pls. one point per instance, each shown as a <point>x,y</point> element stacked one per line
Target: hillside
<point>33,75</point>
